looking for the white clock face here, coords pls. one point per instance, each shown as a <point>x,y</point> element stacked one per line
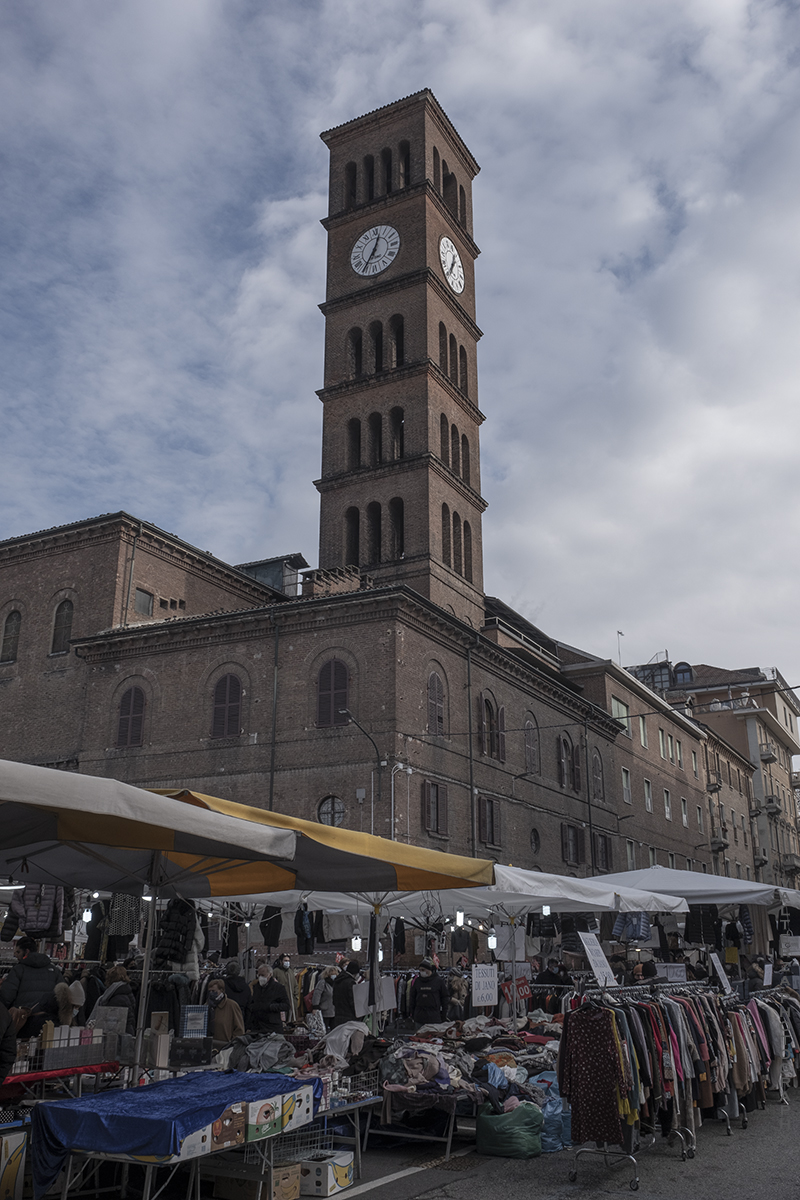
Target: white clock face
<point>374,250</point>
<point>451,265</point>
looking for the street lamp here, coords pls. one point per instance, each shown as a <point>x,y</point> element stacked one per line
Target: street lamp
<point>380,762</point>
<point>396,769</point>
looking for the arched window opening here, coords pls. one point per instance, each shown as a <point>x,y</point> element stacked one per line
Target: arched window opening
<point>369,178</point>
<point>13,624</point>
<point>444,440</point>
<point>450,189</point>
<point>355,359</point>
<point>446,534</point>
<point>62,628</point>
<point>397,528</point>
<point>453,359</point>
<point>331,811</point>
<point>353,444</point>
<point>404,165</point>
<point>489,729</point>
<point>373,533</point>
<point>463,381</point>
<point>352,537</point>
<point>375,439</point>
<point>462,206</point>
<point>386,170</point>
<point>398,426</point>
<point>465,468</point>
<point>458,565</point>
<point>442,347</point>
<point>227,717</point>
<point>435,705</point>
<point>130,727</point>
<point>397,342</point>
<point>468,552</point>
<point>598,787</point>
<point>532,759</point>
<point>565,762</point>
<point>332,694</point>
<point>376,341</point>
<point>350,192</point>
<point>455,450</point>
<point>437,171</point>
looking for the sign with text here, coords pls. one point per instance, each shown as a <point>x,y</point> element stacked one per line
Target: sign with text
<point>484,984</point>
<point>768,975</point>
<point>597,960</point>
<point>673,972</point>
<point>523,988</point>
<point>789,945</point>
<point>718,967</point>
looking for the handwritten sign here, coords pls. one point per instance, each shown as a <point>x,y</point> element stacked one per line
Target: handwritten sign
<point>673,972</point>
<point>718,967</point>
<point>768,975</point>
<point>597,960</point>
<point>484,984</point>
<point>523,988</point>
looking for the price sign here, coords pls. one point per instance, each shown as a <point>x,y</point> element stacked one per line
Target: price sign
<point>523,988</point>
<point>505,988</point>
<point>768,975</point>
<point>484,984</point>
<point>718,967</point>
<point>597,960</point>
<point>673,972</point>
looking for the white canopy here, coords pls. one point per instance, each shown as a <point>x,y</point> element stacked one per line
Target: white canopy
<point>704,889</point>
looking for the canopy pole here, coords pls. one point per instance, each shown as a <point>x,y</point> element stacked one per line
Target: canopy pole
<point>514,973</point>
<point>374,966</point>
<point>148,955</point>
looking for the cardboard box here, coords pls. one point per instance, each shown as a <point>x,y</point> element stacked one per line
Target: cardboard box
<point>264,1118</point>
<point>298,1108</point>
<point>327,1172</point>
<point>157,1049</point>
<point>12,1165</point>
<point>191,1052</point>
<point>228,1130</point>
<point>285,1185</point>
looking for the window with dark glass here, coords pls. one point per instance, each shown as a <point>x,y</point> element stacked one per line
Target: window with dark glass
<point>62,628</point>
<point>435,704</point>
<point>332,693</point>
<point>331,811</point>
<point>492,729</point>
<point>227,716</point>
<point>11,628</point>
<point>598,787</point>
<point>573,845</point>
<point>603,852</point>
<point>434,807</point>
<point>531,747</point>
<point>143,603</point>
<point>130,728</point>
<point>489,821</point>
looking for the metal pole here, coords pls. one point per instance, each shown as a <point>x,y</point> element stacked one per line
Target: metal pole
<point>274,717</point>
<point>589,795</point>
<point>379,762</point>
<point>148,955</point>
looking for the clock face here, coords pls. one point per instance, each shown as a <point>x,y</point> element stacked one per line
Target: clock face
<point>374,250</point>
<point>451,265</point>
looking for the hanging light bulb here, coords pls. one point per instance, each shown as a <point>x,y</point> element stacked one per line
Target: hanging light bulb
<point>95,895</point>
<point>380,953</point>
<point>146,893</point>
<point>545,910</point>
<point>452,928</point>
<point>356,943</point>
<point>459,917</point>
<point>87,916</point>
<point>491,941</point>
<point>247,924</point>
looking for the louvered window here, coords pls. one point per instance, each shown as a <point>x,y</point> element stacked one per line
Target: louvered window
<point>492,729</point>
<point>62,628</point>
<point>131,718</point>
<point>227,719</point>
<point>11,629</point>
<point>573,845</point>
<point>434,807</point>
<point>332,694</point>
<point>489,821</point>
<point>435,705</point>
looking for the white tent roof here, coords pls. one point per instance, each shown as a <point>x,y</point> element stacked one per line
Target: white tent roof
<point>704,889</point>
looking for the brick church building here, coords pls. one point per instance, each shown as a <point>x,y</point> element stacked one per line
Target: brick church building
<point>128,653</point>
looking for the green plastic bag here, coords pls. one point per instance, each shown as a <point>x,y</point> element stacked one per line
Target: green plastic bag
<point>515,1134</point>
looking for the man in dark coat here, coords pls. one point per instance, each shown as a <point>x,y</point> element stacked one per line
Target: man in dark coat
<point>8,1043</point>
<point>267,1001</point>
<point>429,995</point>
<point>30,984</point>
<point>236,987</point>
<point>344,1005</point>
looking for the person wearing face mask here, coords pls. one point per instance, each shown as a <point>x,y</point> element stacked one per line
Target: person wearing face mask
<point>282,969</point>
<point>344,1005</point>
<point>429,995</point>
<point>268,1000</point>
<point>225,1017</point>
<point>322,996</point>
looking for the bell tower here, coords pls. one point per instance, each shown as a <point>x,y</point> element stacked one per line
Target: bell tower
<point>400,484</point>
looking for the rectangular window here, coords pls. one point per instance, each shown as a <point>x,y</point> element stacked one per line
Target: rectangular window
<point>690,864</point>
<point>630,854</point>
<point>489,816</point>
<point>671,748</point>
<point>573,846</point>
<point>700,818</point>
<point>602,852</point>
<point>694,764</point>
<point>434,807</point>
<point>626,786</point>
<point>667,805</point>
<point>727,866</point>
<point>738,870</point>
<point>648,796</point>
<point>143,603</point>
<point>705,868</point>
<point>662,743</point>
<point>643,731</point>
<point>653,858</point>
<point>621,712</point>
<point>747,869</point>
<point>671,860</point>
<point>679,753</point>
<point>684,813</point>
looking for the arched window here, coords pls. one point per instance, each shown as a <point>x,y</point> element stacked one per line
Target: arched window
<point>397,346</point>
<point>227,718</point>
<point>465,471</point>
<point>532,758</point>
<point>375,424</point>
<point>492,729</point>
<point>569,763</point>
<point>455,450</point>
<point>130,728</point>
<point>386,170</point>
<point>62,628</point>
<point>437,171</point>
<point>404,165</point>
<point>397,422</point>
<point>332,694</point>
<point>462,206</point>
<point>450,189</point>
<point>355,356</point>
<point>442,347</point>
<point>598,787</point>
<point>446,534</point>
<point>683,673</point>
<point>331,811</point>
<point>463,382</point>
<point>444,440</point>
<point>468,552</point>
<point>13,624</point>
<point>373,533</point>
<point>353,444</point>
<point>458,565</point>
<point>435,705</point>
<point>376,341</point>
<point>350,193</point>
<point>453,359</point>
<point>369,178</point>
<point>352,537</point>
<point>397,528</point>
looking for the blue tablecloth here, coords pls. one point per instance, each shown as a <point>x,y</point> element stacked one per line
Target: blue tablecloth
<point>151,1120</point>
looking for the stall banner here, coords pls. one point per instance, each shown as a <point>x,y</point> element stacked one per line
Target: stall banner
<point>597,960</point>
<point>718,967</point>
<point>484,984</point>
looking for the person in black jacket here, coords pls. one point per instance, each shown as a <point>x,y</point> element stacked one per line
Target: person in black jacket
<point>267,1001</point>
<point>429,995</point>
<point>30,984</point>
<point>8,1043</point>
<point>344,1005</point>
<point>236,987</point>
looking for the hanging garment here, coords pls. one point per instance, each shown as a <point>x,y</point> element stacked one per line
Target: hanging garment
<point>399,936</point>
<point>589,1072</point>
<point>700,922</point>
<point>302,930</point>
<point>124,915</point>
<point>460,940</point>
<point>632,927</point>
<point>270,926</point>
<point>747,924</point>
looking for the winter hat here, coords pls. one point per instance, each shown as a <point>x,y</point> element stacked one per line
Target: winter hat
<point>353,967</point>
<point>426,964</point>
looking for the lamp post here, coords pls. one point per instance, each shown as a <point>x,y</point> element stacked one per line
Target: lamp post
<point>380,762</point>
<point>396,769</point>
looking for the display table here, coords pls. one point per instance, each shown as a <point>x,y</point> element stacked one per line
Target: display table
<point>395,1104</point>
<point>353,1113</point>
<point>60,1078</point>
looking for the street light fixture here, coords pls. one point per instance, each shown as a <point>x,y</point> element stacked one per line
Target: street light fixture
<point>380,762</point>
<point>396,769</point>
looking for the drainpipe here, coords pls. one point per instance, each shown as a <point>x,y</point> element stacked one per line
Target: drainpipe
<point>589,794</point>
<point>471,756</point>
<point>274,716</point>
<point>136,537</point>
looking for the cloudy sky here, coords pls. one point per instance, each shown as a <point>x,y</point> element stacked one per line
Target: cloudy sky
<point>638,212</point>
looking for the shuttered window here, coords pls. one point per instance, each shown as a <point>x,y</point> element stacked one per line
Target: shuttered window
<point>332,693</point>
<point>573,845</point>
<point>531,748</point>
<point>489,821</point>
<point>435,704</point>
<point>62,628</point>
<point>491,729</point>
<point>130,729</point>
<point>603,852</point>
<point>227,718</point>
<point>13,624</point>
<point>434,807</point>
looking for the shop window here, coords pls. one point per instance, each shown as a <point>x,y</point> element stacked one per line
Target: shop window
<point>227,716</point>
<point>489,820</point>
<point>62,628</point>
<point>130,726</point>
<point>435,704</point>
<point>434,807</point>
<point>332,688</point>
<point>11,629</point>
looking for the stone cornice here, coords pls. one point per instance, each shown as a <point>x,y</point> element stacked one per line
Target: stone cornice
<point>398,283</point>
<point>403,466</point>
<point>427,367</point>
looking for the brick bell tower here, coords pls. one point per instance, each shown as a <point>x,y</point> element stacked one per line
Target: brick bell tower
<point>400,485</point>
